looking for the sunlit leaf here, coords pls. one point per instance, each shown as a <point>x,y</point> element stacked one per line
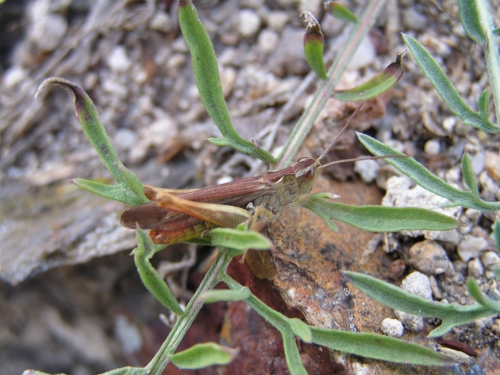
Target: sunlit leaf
<point>313,45</point>
<point>340,12</point>
<point>204,355</point>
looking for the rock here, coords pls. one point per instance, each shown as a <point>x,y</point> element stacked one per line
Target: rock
<point>490,259</point>
<point>248,23</point>
<point>399,194</point>
<point>125,139</point>
<point>367,169</point>
<point>432,147</point>
<point>492,165</point>
<point>411,322</point>
<point>117,59</point>
<point>277,20</point>
<point>436,291</point>
<point>490,188</point>
<point>414,20</point>
<point>417,283</point>
<point>392,327</point>
<point>161,22</point>
<point>48,29</point>
<point>449,124</point>
<point>475,268</point>
<point>13,76</point>
<point>364,55</point>
<point>477,161</point>
<point>430,257</point>
<point>288,58</point>
<point>473,214</point>
<point>471,247</point>
<point>268,40</point>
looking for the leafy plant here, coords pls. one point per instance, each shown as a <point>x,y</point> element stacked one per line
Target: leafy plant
<point>476,20</point>
<point>233,242</point>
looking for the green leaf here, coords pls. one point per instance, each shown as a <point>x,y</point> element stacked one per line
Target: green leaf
<point>375,86</point>
<point>218,295</point>
<point>292,355</point>
<point>115,192</point>
<point>340,12</point>
<point>469,18</point>
<point>207,79</point>
<point>313,45</point>
<point>203,355</point>
<point>484,104</point>
<point>300,329</point>
<point>496,31</point>
<point>469,177</point>
<point>426,179</point>
<point>445,89</point>
<point>452,314</point>
<point>239,240</point>
<point>133,183</point>
<point>378,218</point>
<point>150,278</point>
<point>371,345</point>
<point>496,234</point>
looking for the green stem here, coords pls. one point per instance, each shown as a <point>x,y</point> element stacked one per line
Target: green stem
<point>211,279</point>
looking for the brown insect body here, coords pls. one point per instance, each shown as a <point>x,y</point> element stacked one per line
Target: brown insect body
<point>271,190</point>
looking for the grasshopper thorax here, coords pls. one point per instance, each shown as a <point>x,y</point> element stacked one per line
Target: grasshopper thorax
<point>306,171</point>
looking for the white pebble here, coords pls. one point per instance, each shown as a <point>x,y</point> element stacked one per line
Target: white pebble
<point>430,258</point>
<point>449,124</point>
<point>475,268</point>
<point>477,162</point>
<point>432,147</point>
<point>117,59</point>
<point>161,22</point>
<point>411,322</point>
<point>125,139</point>
<point>13,76</point>
<point>277,20</point>
<point>268,40</point>
<point>48,29</point>
<point>471,247</point>
<point>367,169</point>
<point>392,327</point>
<point>248,23</point>
<point>417,283</point>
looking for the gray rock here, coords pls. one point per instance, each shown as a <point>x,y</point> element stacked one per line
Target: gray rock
<point>430,257</point>
<point>248,23</point>
<point>475,268</point>
<point>417,283</point>
<point>470,247</point>
<point>367,169</point>
<point>490,259</point>
<point>392,327</point>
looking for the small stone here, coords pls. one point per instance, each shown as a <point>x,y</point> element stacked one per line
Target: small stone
<point>430,257</point>
<point>475,268</point>
<point>117,59</point>
<point>392,327</point>
<point>411,322</point>
<point>268,40</point>
<point>432,147</point>
<point>417,283</point>
<point>492,165</point>
<point>436,291</point>
<point>277,20</point>
<point>365,54</point>
<point>161,22</point>
<point>470,247</point>
<point>414,20</point>
<point>248,23</point>
<point>490,259</point>
<point>449,124</point>
<point>397,269</point>
<point>48,29</point>
<point>367,169</point>
<point>125,139</point>
<point>490,188</point>
<point>473,214</point>
<point>13,76</point>
<point>453,175</point>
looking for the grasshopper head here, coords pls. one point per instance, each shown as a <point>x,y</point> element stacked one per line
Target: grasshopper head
<point>306,172</point>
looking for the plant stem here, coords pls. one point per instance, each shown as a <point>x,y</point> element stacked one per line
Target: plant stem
<point>211,279</point>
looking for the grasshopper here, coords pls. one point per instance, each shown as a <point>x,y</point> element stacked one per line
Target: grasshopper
<point>177,216</point>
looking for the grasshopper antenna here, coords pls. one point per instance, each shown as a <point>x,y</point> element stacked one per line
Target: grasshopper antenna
<point>348,123</point>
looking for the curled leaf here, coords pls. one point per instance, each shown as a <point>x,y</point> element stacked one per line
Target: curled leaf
<point>375,86</point>
<point>204,355</point>
<point>313,45</point>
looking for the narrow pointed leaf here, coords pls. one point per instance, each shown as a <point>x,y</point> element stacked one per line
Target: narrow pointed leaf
<point>203,355</point>
<point>218,295</point>
<point>239,240</point>
<point>371,345</point>
<point>469,18</point>
<point>426,179</point>
<point>445,88</point>
<point>115,192</point>
<point>496,234</point>
<point>484,104</point>
<point>375,86</point>
<point>378,218</point>
<point>292,355</point>
<point>300,329</point>
<point>451,314</point>
<point>340,12</point>
<point>206,74</point>
<point>313,45</point>
<point>469,177</point>
<point>150,278</point>
<point>133,183</point>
